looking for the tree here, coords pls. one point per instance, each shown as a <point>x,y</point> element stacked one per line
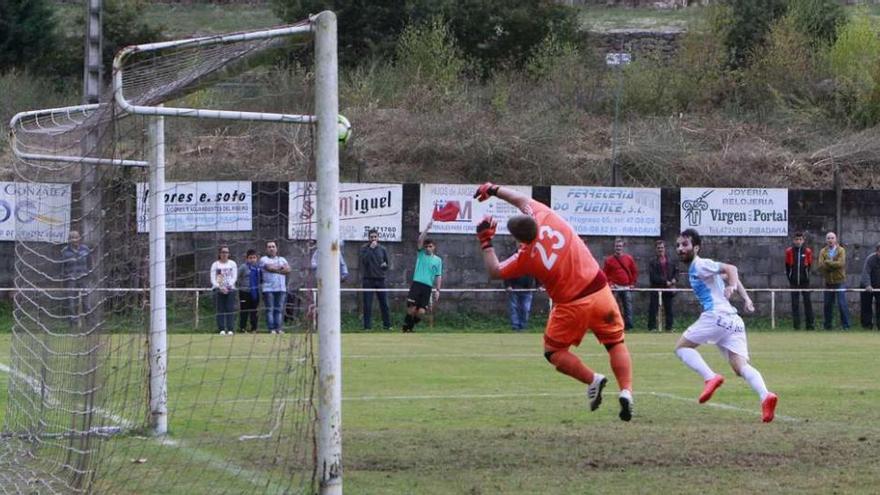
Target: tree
<point>748,25</point>
<point>27,32</point>
<point>492,32</point>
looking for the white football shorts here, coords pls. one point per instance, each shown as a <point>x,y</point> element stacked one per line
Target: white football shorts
<point>725,330</point>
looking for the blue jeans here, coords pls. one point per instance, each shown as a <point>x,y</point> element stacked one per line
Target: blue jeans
<point>519,304</point>
<point>625,301</point>
<point>831,293</point>
<point>225,310</point>
<point>274,302</point>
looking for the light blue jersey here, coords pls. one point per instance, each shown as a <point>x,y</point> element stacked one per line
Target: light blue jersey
<point>705,277</point>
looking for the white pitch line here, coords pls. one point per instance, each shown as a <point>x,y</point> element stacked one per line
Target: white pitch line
<point>719,405</point>
<point>215,462</point>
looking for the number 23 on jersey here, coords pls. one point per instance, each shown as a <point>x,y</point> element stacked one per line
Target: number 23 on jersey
<point>549,241</point>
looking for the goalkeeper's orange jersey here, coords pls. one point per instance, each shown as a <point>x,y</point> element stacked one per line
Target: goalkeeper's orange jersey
<point>557,257</point>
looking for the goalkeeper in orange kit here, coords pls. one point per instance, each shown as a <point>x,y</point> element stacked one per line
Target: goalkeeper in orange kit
<point>552,252</point>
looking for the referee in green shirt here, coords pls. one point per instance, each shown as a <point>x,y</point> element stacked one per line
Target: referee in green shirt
<point>427,277</point>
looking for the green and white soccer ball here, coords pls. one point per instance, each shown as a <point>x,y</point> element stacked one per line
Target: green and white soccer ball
<point>343,127</point>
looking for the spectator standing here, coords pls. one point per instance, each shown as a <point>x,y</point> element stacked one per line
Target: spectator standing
<point>427,278</point>
<point>832,266</point>
<point>343,267</point>
<point>519,300</point>
<point>224,272</point>
<point>621,272</point>
<point>870,281</point>
<point>75,267</point>
<point>275,269</point>
<point>249,275</point>
<point>373,262</point>
<point>798,263</point>
<point>664,275</point>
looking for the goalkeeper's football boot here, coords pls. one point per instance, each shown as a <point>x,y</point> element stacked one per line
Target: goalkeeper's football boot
<point>626,405</point>
<point>768,407</point>
<point>594,391</point>
<point>711,385</point>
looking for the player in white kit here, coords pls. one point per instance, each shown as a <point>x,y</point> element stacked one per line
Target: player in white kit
<point>718,324</point>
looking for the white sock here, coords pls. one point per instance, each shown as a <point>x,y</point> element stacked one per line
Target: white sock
<point>597,377</point>
<point>627,395</point>
<point>695,361</point>
<point>756,381</point>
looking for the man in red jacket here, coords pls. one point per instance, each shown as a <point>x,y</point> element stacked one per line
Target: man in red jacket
<point>798,263</point>
<point>622,274</point>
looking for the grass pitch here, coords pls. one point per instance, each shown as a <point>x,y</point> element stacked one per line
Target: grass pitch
<point>484,413</point>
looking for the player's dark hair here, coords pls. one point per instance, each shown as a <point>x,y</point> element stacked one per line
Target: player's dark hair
<point>523,228</point>
<point>221,248</point>
<point>427,241</point>
<point>250,252</point>
<point>372,231</point>
<point>798,233</point>
<point>657,242</point>
<point>694,235</point>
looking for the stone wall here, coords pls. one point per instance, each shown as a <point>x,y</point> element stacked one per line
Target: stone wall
<point>759,258</point>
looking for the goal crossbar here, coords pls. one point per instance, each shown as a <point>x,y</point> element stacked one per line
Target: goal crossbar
<point>198,113</point>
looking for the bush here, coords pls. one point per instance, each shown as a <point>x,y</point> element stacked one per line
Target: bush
<point>818,20</point>
<point>492,32</point>
<point>854,61</point>
<point>428,58</point>
<point>746,26</point>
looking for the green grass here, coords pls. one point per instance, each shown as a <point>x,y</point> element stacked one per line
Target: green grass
<point>484,413</point>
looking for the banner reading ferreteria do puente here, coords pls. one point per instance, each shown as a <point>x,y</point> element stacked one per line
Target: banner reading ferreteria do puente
<point>609,211</point>
<point>735,212</point>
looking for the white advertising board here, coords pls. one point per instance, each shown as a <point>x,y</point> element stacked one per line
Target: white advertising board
<point>34,212</point>
<point>200,206</point>
<point>608,211</point>
<point>362,207</point>
<point>735,212</point>
<point>465,211</point>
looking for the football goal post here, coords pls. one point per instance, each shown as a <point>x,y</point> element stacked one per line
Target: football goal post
<point>115,387</point>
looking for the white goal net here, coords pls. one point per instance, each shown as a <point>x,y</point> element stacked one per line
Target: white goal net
<point>119,378</point>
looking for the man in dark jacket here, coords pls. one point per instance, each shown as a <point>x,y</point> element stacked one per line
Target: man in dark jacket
<point>663,274</point>
<point>870,281</point>
<point>373,262</point>
<point>798,263</point>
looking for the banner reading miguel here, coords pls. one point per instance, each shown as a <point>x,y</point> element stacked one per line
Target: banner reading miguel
<point>362,207</point>
<point>735,212</point>
<point>34,212</point>
<point>200,206</point>
<point>611,211</point>
<point>455,211</point>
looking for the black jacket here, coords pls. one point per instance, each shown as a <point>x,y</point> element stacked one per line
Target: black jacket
<point>655,272</point>
<point>371,261</point>
<point>798,263</point>
<point>871,271</point>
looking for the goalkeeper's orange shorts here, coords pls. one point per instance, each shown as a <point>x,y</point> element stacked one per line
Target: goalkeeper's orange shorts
<point>597,312</point>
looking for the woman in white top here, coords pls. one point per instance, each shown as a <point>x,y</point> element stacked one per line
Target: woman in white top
<point>224,272</point>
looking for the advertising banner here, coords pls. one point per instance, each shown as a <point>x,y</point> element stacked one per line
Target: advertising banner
<point>200,206</point>
<point>362,207</point>
<point>455,211</point>
<point>609,211</point>
<point>735,212</point>
<point>34,212</point>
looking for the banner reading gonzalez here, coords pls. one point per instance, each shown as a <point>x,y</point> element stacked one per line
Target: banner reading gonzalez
<point>735,212</point>
<point>34,212</point>
<point>611,211</point>
<point>361,207</point>
<point>200,206</point>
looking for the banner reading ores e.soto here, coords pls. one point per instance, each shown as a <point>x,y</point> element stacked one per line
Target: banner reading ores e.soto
<point>735,212</point>
<point>455,211</point>
<point>34,212</point>
<point>362,207</point>
<point>611,211</point>
<point>200,206</point>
